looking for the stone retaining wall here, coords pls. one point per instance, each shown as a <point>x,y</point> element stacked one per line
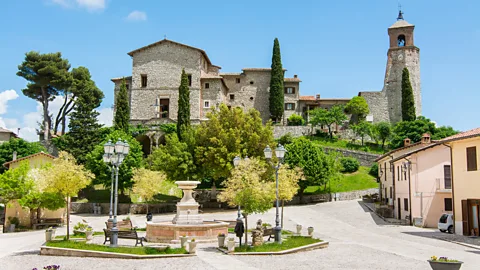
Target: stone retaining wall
<point>365,159</point>
<point>296,131</point>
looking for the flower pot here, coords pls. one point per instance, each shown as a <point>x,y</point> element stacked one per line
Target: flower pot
<point>221,241</point>
<point>183,241</point>
<point>89,235</point>
<point>192,247</point>
<point>310,231</point>
<point>49,235</point>
<point>436,265</point>
<point>231,246</point>
<point>299,229</point>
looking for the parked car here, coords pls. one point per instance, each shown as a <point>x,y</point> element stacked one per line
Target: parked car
<point>446,223</point>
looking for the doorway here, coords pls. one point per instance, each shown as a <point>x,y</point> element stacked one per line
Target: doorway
<point>471,217</point>
<point>399,209</point>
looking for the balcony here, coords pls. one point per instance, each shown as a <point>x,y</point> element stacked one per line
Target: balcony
<point>443,185</point>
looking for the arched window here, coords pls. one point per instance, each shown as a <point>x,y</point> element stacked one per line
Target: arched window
<point>401,41</point>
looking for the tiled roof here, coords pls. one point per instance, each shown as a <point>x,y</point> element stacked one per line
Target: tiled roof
<point>413,151</point>
<point>4,130</point>
<point>258,69</point>
<point>307,98</point>
<point>7,164</point>
<point>292,80</point>
<point>120,78</point>
<point>463,135</point>
<point>396,150</point>
<point>230,74</point>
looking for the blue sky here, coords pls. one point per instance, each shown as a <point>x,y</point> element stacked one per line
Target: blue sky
<point>337,48</point>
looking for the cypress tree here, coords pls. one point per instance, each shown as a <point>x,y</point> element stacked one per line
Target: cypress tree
<point>276,98</point>
<point>408,101</point>
<point>122,109</point>
<point>183,116</point>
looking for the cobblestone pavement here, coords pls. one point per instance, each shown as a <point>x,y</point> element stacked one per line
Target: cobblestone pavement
<point>358,240</point>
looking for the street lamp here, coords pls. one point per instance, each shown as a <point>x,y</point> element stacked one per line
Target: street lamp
<point>114,155</point>
<point>239,228</point>
<point>280,154</point>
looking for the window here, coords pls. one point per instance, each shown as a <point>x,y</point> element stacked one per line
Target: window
<point>448,204</point>
<point>232,97</point>
<point>385,171</point>
<point>401,41</point>
<point>251,82</point>
<point>471,158</point>
<point>144,80</point>
<point>398,173</point>
<point>127,86</point>
<point>163,107</point>
<point>289,90</point>
<point>289,106</point>
<point>189,79</point>
<point>391,192</point>
<point>385,192</point>
<point>251,98</point>
<point>447,176</point>
<point>238,80</point>
<point>206,104</point>
<point>405,204</point>
<point>207,85</point>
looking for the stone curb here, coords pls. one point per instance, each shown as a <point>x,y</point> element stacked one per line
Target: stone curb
<point>465,244</point>
<point>318,245</point>
<point>55,251</point>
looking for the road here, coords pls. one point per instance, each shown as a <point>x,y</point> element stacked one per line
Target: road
<point>358,240</point>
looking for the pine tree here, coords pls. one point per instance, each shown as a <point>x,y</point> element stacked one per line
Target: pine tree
<point>122,110</point>
<point>183,116</point>
<point>276,84</point>
<point>408,102</point>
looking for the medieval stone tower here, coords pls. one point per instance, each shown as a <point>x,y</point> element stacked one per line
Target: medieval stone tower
<point>387,104</point>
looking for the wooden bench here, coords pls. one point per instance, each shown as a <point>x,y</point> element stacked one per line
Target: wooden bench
<point>270,232</point>
<point>46,222</point>
<point>125,231</point>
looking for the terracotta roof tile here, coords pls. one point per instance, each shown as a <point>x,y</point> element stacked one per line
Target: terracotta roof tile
<point>462,135</point>
<point>4,130</point>
<point>120,78</point>
<point>292,80</point>
<point>307,98</point>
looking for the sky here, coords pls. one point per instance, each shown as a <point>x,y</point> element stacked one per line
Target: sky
<point>337,48</point>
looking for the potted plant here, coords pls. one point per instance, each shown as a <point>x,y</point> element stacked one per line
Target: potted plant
<point>183,240</point>
<point>49,234</point>
<point>14,222</point>
<point>192,246</point>
<point>89,233</point>
<point>310,231</point>
<point>221,240</point>
<point>443,263</point>
<point>231,244</point>
<point>299,229</point>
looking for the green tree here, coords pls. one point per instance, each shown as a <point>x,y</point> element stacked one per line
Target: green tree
<point>317,166</point>
<point>288,183</point>
<point>22,147</point>
<point>174,158</point>
<point>325,117</point>
<point>276,98</point>
<point>45,73</point>
<point>103,174</point>
<point>84,133</point>
<point>35,200</point>
<point>362,129</point>
<point>65,178</point>
<point>408,101</point>
<point>247,186</point>
<point>295,120</point>
<point>147,183</point>
<point>381,132</point>
<point>230,133</point>
<point>183,116</point>
<point>412,130</point>
<point>15,183</point>
<point>358,106</point>
<point>122,109</point>
<point>443,132</point>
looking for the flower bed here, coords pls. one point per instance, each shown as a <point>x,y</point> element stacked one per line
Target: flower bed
<point>126,250</point>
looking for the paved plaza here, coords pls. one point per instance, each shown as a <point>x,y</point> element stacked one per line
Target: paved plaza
<point>358,240</point>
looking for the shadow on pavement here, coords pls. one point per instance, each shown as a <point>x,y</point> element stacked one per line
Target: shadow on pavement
<point>447,237</point>
<point>28,252</point>
<point>378,220</point>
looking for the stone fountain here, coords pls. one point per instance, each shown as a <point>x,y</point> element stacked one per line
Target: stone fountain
<point>188,221</point>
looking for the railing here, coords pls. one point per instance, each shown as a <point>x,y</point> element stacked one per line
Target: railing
<point>443,184</point>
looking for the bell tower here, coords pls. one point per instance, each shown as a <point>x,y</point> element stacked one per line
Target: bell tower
<point>402,53</point>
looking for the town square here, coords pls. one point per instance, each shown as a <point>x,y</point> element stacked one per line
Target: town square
<point>253,135</point>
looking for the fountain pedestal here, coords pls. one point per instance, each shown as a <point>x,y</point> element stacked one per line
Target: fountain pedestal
<point>187,208</point>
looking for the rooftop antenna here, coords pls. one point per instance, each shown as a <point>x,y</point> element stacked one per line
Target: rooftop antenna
<point>400,13</point>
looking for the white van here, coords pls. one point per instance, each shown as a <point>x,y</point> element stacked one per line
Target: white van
<point>446,223</point>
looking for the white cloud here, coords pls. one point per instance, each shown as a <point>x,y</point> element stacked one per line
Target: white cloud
<point>63,3</point>
<point>137,16</point>
<point>5,97</point>
<point>90,5</point>
<point>105,117</point>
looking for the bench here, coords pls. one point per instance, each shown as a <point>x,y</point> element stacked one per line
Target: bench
<point>46,222</point>
<point>125,231</point>
<point>268,231</point>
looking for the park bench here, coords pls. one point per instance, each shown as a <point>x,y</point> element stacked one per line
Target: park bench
<point>125,231</point>
<point>268,231</point>
<point>46,222</point>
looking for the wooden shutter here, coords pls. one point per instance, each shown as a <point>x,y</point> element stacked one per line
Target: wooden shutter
<point>293,90</point>
<point>447,174</point>
<point>465,224</point>
<point>472,158</point>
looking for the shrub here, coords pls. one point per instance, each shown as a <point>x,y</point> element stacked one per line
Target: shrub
<point>295,120</point>
<point>374,170</point>
<point>286,139</point>
<point>349,164</point>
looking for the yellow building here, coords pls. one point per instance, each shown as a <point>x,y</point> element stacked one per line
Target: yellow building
<point>464,149</point>
<point>14,209</point>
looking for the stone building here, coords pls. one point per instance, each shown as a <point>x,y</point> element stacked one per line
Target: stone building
<point>386,105</point>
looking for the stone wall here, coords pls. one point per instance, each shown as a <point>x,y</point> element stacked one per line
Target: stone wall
<point>296,131</point>
<point>365,159</point>
<point>124,208</point>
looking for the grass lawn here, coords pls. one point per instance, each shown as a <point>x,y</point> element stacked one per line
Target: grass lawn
<point>126,250</point>
<point>346,144</point>
<point>78,235</point>
<point>358,180</point>
<point>289,243</point>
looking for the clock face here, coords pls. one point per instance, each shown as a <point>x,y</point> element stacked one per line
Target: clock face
<point>400,57</point>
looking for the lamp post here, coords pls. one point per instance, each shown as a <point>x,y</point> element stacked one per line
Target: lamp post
<point>239,228</point>
<point>114,155</point>
<point>106,159</point>
<point>280,154</point>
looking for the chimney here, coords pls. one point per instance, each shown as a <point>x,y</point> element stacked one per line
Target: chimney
<point>295,76</point>
<point>318,96</point>
<point>14,155</point>
<point>426,138</point>
<point>406,142</point>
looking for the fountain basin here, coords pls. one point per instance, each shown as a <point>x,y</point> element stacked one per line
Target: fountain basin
<point>167,232</point>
